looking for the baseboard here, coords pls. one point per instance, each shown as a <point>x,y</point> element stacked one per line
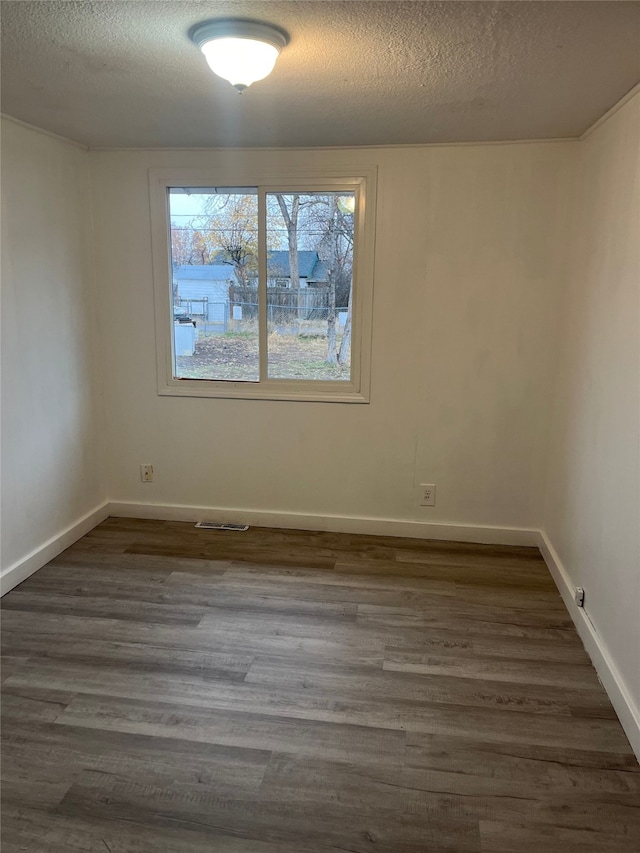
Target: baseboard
<point>331,523</point>
<point>621,699</point>
<point>39,557</point>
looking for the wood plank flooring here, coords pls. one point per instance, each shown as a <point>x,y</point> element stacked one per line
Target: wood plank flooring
<point>174,690</point>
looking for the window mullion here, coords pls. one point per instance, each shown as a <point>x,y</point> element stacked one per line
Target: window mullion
<point>262,282</point>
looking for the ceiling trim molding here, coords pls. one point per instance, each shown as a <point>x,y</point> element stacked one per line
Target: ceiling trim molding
<point>44,132</point>
<point>609,113</point>
<point>382,147</point>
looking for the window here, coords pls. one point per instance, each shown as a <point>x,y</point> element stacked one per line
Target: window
<point>263,286</point>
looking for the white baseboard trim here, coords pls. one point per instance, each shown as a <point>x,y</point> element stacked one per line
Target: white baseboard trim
<point>39,557</point>
<point>331,523</point>
<point>621,699</point>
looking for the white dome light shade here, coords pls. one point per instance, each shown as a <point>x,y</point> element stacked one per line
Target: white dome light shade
<point>240,61</point>
<point>239,51</point>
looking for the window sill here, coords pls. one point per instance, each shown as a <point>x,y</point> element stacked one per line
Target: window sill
<point>326,392</point>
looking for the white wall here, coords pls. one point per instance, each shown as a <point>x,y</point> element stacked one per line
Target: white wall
<point>466,290</point>
<point>592,513</point>
<point>51,446</point>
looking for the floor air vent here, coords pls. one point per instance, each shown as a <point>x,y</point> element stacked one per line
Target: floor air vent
<point>211,525</point>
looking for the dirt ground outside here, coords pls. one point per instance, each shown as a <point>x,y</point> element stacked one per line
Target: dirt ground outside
<point>234,356</point>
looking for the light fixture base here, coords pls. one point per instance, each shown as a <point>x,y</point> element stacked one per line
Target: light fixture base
<point>218,28</point>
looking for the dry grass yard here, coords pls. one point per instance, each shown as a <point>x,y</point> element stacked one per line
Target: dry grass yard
<point>234,356</point>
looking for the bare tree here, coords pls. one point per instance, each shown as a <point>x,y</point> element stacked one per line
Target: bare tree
<point>334,227</point>
<point>232,232</point>
<point>291,222</point>
<point>344,355</point>
<point>188,245</point>
<point>232,229</point>
<point>332,355</point>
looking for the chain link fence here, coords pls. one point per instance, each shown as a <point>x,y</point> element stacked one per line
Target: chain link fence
<point>222,317</point>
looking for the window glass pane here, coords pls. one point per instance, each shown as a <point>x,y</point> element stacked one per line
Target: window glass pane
<point>214,266</point>
<point>309,285</point>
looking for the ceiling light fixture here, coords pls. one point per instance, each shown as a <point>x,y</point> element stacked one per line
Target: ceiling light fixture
<point>239,51</point>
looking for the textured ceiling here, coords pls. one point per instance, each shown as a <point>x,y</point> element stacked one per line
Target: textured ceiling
<point>119,74</point>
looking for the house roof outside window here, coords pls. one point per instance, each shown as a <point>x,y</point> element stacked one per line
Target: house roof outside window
<point>310,266</point>
<point>204,272</point>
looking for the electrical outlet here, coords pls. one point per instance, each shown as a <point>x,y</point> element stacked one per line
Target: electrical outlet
<point>146,473</point>
<point>427,494</point>
<point>579,596</point>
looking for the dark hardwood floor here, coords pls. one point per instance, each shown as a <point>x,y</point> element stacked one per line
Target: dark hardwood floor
<point>174,690</point>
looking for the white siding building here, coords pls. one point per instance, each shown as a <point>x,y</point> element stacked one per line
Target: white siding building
<point>203,291</point>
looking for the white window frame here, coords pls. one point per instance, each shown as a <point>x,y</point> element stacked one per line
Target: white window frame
<point>362,183</point>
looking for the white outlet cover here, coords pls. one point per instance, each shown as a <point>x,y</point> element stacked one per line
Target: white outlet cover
<point>427,494</point>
